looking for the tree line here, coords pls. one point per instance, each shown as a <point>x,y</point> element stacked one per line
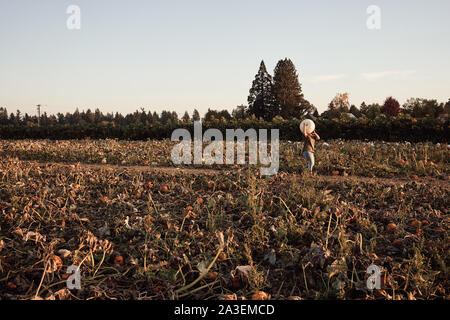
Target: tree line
<point>271,99</point>
<point>338,108</point>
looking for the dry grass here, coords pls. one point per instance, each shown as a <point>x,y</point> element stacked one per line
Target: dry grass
<point>288,235</point>
<point>378,159</point>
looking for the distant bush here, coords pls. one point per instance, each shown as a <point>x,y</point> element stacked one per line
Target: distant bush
<point>401,128</point>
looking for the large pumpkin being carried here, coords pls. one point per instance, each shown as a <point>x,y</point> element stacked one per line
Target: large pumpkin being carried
<point>307,126</point>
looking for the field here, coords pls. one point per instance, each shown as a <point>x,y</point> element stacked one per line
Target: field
<point>140,228</point>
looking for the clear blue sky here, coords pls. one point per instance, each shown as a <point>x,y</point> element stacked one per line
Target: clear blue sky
<point>181,55</point>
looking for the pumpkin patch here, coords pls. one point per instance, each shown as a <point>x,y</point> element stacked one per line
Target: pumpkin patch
<point>156,229</point>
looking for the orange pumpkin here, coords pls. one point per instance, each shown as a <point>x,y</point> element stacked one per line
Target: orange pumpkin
<point>149,185</point>
<point>222,256</point>
<point>11,285</point>
<point>415,223</point>
<point>118,260</point>
<point>391,227</point>
<point>213,275</point>
<point>260,295</point>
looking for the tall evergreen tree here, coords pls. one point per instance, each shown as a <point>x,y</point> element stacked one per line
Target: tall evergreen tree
<point>76,117</point>
<point>97,115</point>
<point>174,117</point>
<point>143,116</point>
<point>26,119</point>
<point>12,119</point>
<point>446,107</point>
<point>89,116</point>
<point>44,119</point>
<point>118,118</point>
<point>363,108</point>
<point>261,100</point>
<point>195,116</point>
<point>165,116</point>
<point>287,91</point>
<point>61,119</point>
<point>18,116</point>
<point>155,117</point>
<point>151,117</point>
<point>3,116</point>
<point>186,118</point>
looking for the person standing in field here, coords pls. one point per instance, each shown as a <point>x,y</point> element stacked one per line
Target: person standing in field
<point>308,148</point>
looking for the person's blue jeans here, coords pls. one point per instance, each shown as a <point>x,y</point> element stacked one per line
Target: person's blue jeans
<point>309,160</point>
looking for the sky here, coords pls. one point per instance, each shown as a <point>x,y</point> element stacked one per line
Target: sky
<point>180,55</point>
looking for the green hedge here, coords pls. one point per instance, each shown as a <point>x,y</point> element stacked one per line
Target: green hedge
<point>387,129</point>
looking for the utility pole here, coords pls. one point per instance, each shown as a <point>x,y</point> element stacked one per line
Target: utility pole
<point>39,114</point>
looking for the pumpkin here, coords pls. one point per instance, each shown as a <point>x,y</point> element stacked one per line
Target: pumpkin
<point>11,285</point>
<point>222,256</point>
<point>260,295</point>
<point>118,260</point>
<point>415,223</point>
<point>212,275</point>
<point>149,185</point>
<point>391,227</point>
